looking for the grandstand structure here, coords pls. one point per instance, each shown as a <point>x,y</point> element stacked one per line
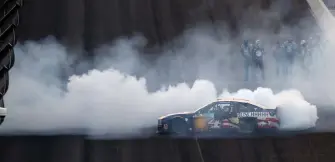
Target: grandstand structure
<point>323,15</point>
<point>9,20</point>
<point>330,5</point>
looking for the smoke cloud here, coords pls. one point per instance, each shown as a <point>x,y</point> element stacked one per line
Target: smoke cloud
<point>126,92</point>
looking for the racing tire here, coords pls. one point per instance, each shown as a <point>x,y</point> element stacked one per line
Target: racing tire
<point>178,127</point>
<point>248,125</point>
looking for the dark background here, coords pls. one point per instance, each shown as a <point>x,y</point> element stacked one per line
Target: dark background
<point>90,23</point>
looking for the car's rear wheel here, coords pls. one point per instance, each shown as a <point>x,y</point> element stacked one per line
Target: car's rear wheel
<point>179,126</point>
<point>248,125</point>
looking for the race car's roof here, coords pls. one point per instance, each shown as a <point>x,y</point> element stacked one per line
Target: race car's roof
<point>241,100</point>
<point>187,112</point>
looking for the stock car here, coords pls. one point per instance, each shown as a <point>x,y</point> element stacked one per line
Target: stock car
<point>232,114</point>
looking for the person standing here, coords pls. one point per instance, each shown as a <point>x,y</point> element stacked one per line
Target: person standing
<point>290,55</point>
<point>246,53</point>
<point>304,55</point>
<point>279,57</point>
<point>258,58</point>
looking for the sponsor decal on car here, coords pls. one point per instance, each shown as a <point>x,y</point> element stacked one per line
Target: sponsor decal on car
<point>252,114</point>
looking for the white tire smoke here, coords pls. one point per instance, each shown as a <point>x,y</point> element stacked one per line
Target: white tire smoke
<point>294,111</point>
<point>111,100</point>
<point>108,101</point>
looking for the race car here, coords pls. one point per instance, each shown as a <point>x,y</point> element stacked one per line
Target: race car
<point>232,114</point>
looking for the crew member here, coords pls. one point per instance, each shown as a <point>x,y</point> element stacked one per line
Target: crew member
<point>279,57</point>
<point>257,57</point>
<point>246,53</point>
<point>304,55</point>
<point>290,53</point>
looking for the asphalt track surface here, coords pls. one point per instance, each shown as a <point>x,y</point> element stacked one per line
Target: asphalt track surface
<point>316,147</point>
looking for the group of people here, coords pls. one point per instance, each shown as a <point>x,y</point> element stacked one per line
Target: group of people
<point>286,54</point>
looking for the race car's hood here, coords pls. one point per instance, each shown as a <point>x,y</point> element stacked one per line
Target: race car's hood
<point>182,114</point>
